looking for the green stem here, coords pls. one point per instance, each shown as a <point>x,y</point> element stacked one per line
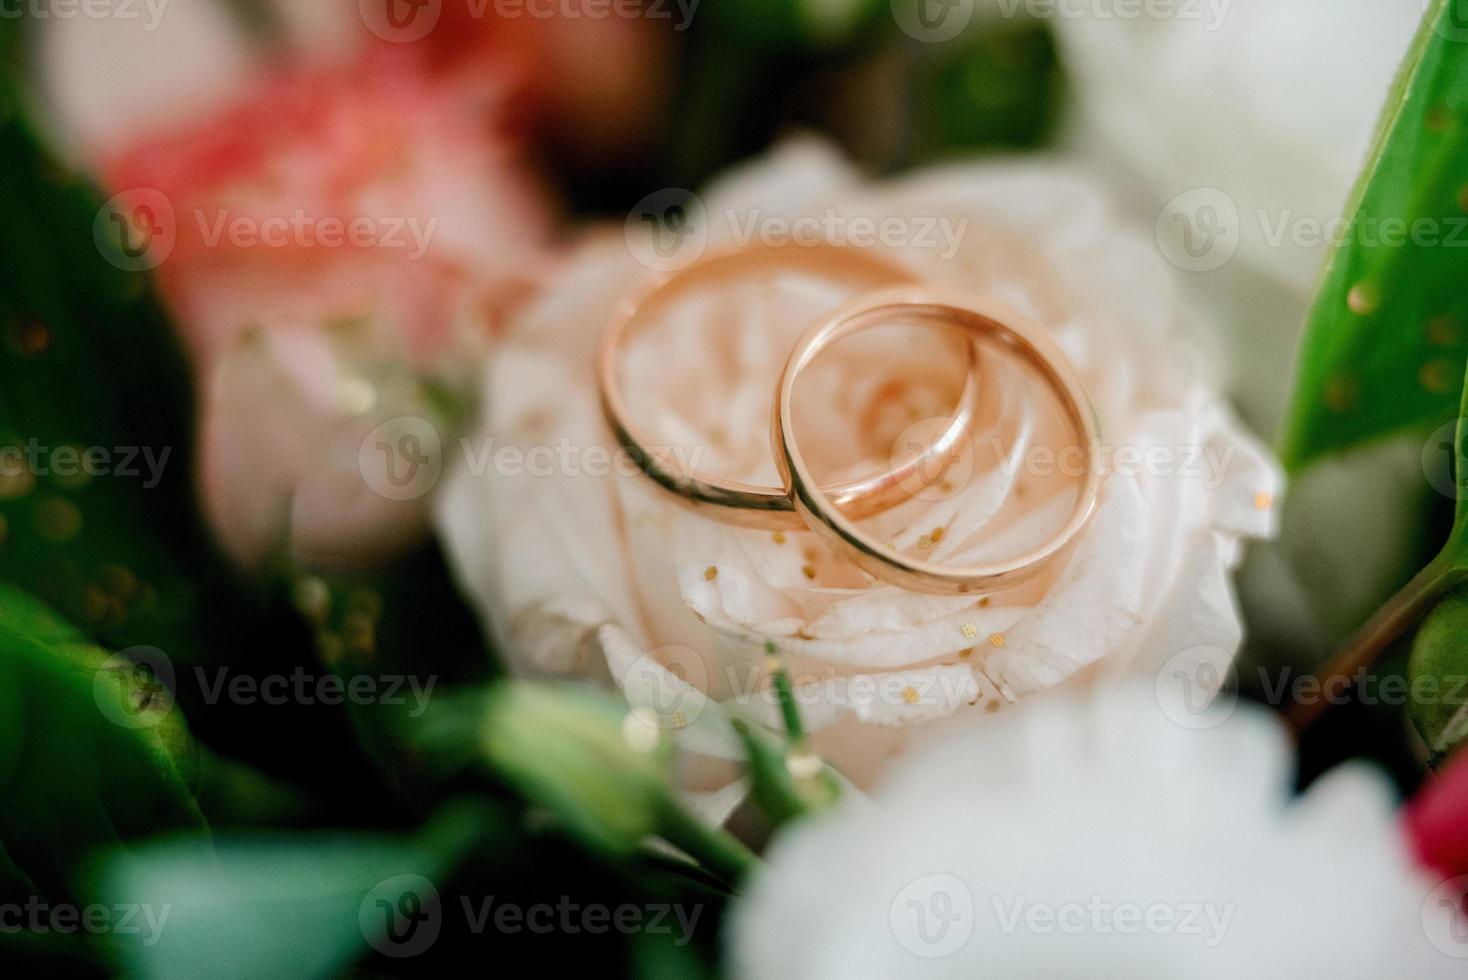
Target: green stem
<point>789,710</point>
<point>718,851</point>
<point>1400,613</point>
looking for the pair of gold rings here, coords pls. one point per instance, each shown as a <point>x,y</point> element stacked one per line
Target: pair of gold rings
<point>832,511</point>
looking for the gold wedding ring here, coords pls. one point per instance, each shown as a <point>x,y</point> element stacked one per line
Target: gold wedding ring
<point>986,322</point>
<point>744,504</point>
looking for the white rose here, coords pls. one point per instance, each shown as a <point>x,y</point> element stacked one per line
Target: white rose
<point>588,575</point>
<point>1095,838</point>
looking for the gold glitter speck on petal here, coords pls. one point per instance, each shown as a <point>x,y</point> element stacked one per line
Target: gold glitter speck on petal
<point>997,640</point>
<point>1263,501</point>
<point>970,631</point>
<point>910,695</point>
<point>711,573</point>
<point>778,537</point>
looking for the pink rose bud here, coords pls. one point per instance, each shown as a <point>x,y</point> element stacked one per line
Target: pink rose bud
<point>1437,819</point>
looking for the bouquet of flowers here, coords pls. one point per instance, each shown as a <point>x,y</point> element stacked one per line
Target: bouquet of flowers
<point>893,488</point>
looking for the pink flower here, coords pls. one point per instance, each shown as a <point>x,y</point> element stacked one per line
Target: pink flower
<point>329,241</point>
<point>333,192</point>
<point>1436,820</point>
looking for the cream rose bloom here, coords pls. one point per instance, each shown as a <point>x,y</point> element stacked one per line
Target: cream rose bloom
<point>600,575</point>
<point>1093,838</point>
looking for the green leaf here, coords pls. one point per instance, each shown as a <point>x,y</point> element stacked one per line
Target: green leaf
<point>1384,347</point>
<point>774,784</point>
<point>999,87</point>
<point>299,905</point>
<point>97,509</point>
<point>78,770</point>
<point>406,621</point>
<point>602,771</point>
<point>1438,677</point>
<point>1437,673</point>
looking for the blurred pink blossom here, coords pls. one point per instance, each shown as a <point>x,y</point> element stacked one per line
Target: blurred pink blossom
<point>339,233</point>
<point>1437,819</point>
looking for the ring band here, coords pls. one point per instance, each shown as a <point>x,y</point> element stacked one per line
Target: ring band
<point>986,321</point>
<point>771,508</point>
